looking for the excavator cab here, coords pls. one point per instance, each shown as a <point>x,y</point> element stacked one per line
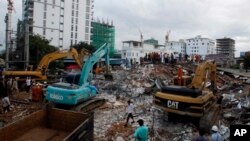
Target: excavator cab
<point>194,99</point>
<point>103,68</point>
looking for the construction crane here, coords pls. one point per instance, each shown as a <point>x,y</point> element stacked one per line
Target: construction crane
<point>167,36</point>
<point>8,30</point>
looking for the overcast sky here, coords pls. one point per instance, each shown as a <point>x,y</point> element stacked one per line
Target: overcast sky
<point>185,18</point>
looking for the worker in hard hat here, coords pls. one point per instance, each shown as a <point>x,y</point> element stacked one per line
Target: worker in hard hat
<point>180,74</point>
<point>215,134</point>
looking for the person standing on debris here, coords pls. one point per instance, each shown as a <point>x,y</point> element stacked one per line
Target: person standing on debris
<point>6,104</point>
<point>15,89</point>
<point>180,74</point>
<point>28,84</point>
<point>3,89</point>
<point>130,110</point>
<point>141,133</point>
<point>9,86</point>
<point>215,135</point>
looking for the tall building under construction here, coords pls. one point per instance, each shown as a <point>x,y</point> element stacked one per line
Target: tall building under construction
<point>226,46</point>
<point>103,33</point>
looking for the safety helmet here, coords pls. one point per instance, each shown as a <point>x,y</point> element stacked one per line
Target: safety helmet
<point>215,128</point>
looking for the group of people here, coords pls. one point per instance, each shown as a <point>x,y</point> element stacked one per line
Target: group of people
<point>142,131</point>
<point>9,87</point>
<point>4,88</point>
<point>215,136</point>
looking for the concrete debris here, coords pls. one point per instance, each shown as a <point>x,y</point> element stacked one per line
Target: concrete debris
<point>225,132</point>
<point>248,81</point>
<point>139,85</point>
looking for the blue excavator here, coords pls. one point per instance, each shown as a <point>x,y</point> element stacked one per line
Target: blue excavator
<point>80,96</point>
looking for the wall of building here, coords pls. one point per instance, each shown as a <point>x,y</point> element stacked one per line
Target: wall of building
<point>64,22</point>
<point>200,46</point>
<point>176,46</point>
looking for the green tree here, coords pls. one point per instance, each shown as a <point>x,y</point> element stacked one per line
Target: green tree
<point>38,48</point>
<point>84,45</point>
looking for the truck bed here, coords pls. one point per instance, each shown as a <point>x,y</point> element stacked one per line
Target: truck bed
<point>42,133</point>
<point>50,125</point>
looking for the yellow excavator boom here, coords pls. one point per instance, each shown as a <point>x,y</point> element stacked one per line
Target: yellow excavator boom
<point>40,72</point>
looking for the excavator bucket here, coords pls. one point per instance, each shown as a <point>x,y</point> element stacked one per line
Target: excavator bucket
<point>108,76</point>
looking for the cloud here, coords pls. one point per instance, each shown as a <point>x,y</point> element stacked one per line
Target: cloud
<point>185,18</point>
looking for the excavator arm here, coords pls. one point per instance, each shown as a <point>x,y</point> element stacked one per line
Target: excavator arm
<point>44,63</point>
<point>39,73</point>
<point>98,54</point>
<point>204,72</point>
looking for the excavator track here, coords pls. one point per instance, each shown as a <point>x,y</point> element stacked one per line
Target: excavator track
<point>89,105</point>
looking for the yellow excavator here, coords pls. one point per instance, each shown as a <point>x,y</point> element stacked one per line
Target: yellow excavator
<point>194,100</point>
<point>40,72</point>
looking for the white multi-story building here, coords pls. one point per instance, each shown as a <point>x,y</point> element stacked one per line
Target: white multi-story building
<point>135,49</point>
<point>176,46</point>
<point>63,22</point>
<point>200,46</point>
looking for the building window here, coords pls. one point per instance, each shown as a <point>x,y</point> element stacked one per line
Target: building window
<point>44,23</point>
<point>87,16</point>
<point>75,28</point>
<point>87,22</point>
<point>202,43</point>
<point>76,21</point>
<point>76,35</point>
<point>72,27</point>
<point>88,2</point>
<point>71,34</point>
<point>52,22</point>
<point>72,20</point>
<point>72,13</point>
<point>71,42</point>
<point>44,31</point>
<point>87,9</point>
<point>52,30</point>
<point>76,13</point>
<point>75,41</point>
<point>44,15</point>
<point>45,7</point>
<point>53,14</point>
<point>86,29</point>
<point>76,6</point>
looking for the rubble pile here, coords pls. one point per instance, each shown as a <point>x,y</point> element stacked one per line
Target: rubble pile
<point>132,84</point>
<point>139,84</point>
<point>20,107</point>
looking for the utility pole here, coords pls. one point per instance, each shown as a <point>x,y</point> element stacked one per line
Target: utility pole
<point>26,47</point>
